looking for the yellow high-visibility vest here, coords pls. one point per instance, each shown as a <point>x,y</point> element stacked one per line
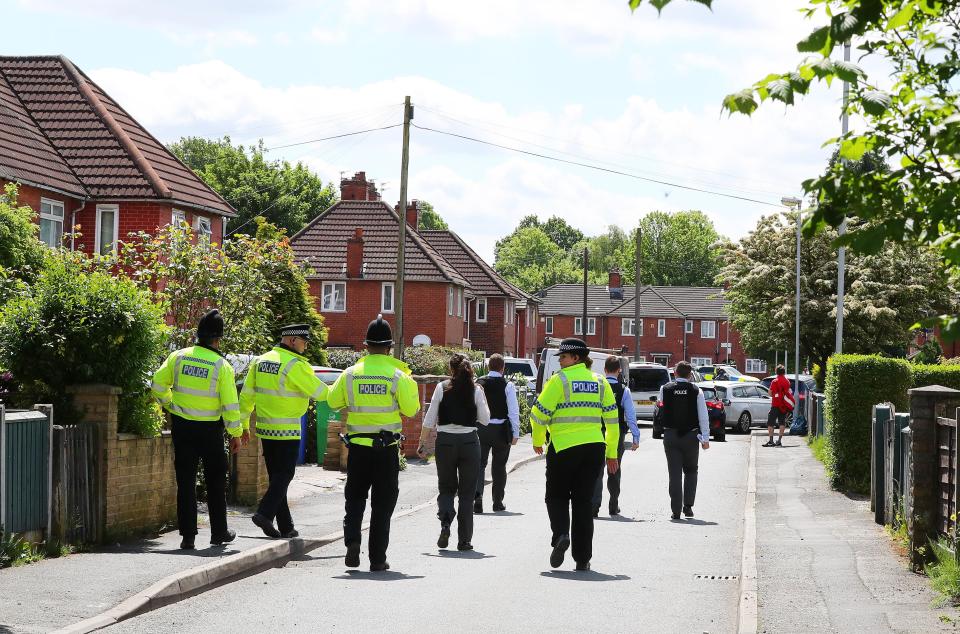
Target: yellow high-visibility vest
<point>197,383</point>
<point>280,385</point>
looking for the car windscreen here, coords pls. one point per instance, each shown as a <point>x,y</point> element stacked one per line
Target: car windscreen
<point>514,367</point>
<point>648,379</point>
<point>709,393</point>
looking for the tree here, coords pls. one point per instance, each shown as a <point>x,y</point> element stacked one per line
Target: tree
<point>678,249</point>
<point>532,261</point>
<point>886,293</point>
<point>289,196</point>
<point>22,255</point>
<point>430,219</point>
<point>556,228</point>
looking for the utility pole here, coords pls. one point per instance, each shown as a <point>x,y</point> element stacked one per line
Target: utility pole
<point>842,253</point>
<point>586,265</point>
<point>636,300</point>
<point>402,213</point>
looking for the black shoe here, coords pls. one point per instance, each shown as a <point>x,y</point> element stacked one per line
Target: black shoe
<point>265,525</point>
<point>498,506</point>
<point>464,546</point>
<point>223,538</point>
<point>688,511</point>
<point>583,566</point>
<point>769,443</point>
<point>559,549</point>
<point>778,444</point>
<point>614,510</point>
<point>352,560</point>
<point>444,536</point>
<point>379,567</point>
<point>187,543</point>
<point>290,534</point>
<point>478,506</point>
<point>675,516</point>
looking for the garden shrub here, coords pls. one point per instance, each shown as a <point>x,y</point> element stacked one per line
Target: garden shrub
<point>855,383</point>
<point>435,359</point>
<point>22,255</point>
<point>76,326</point>
<point>945,375</point>
<point>343,359</point>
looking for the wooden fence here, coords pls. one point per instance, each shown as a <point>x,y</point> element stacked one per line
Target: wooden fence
<point>77,474</point>
<point>947,475</point>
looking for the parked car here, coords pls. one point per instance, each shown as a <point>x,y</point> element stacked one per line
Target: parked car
<point>743,404</point>
<point>327,375</point>
<point>695,377</point>
<point>715,414</point>
<point>526,367</point>
<point>646,379</point>
<point>709,373</point>
<point>807,384</point>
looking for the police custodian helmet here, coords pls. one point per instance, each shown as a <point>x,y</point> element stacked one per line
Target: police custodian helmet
<point>210,325</point>
<point>379,333</point>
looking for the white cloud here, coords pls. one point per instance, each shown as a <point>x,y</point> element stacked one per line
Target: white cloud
<point>187,14</point>
<point>328,36</point>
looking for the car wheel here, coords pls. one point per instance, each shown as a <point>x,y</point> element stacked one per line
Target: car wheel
<point>743,423</point>
<point>720,435</point>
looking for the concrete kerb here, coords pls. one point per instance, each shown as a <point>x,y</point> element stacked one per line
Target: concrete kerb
<point>183,585</point>
<point>747,611</point>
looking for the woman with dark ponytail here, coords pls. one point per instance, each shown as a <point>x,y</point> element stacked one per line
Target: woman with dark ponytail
<point>458,406</point>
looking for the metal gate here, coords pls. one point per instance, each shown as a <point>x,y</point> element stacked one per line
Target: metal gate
<point>25,463</point>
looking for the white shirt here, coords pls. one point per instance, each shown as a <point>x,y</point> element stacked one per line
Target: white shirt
<point>702,417</point>
<point>513,408</point>
<point>479,399</point>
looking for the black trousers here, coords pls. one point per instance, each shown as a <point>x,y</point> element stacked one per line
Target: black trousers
<point>280,457</point>
<point>195,442</point>
<point>613,483</point>
<point>373,471</point>
<point>571,476</point>
<point>458,466</point>
<point>495,439</point>
<point>683,454</point>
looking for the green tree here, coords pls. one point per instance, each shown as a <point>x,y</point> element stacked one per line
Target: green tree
<point>288,195</point>
<point>886,292</point>
<point>429,218</point>
<point>529,259</point>
<point>22,255</point>
<point>678,249</point>
<point>556,228</point>
<point>606,252</point>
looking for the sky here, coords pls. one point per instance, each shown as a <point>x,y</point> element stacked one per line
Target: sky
<point>581,80</point>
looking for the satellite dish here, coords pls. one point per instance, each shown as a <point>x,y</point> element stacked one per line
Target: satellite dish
<point>421,340</point>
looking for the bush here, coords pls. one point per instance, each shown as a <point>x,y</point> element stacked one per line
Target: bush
<point>22,255</point>
<point>342,359</point>
<point>929,353</point>
<point>77,326</point>
<point>520,382</point>
<point>944,571</point>
<point>945,375</point>
<point>855,383</point>
<point>435,359</point>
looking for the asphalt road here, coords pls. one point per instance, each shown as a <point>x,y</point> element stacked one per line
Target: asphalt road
<point>644,575</point>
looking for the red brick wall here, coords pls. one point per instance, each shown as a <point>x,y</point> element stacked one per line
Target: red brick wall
<point>529,341</point>
<point>30,196</point>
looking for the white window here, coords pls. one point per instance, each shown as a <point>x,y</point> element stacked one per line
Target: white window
<point>662,359</point>
<point>334,297</point>
<point>507,313</point>
<point>459,302</point>
<point>481,310</point>
<point>178,218</point>
<point>204,229</point>
<point>108,222</point>
<point>591,326</point>
<point>688,326</point>
<point>548,325</point>
<point>386,297</point>
<point>528,314</point>
<point>450,300</point>
<point>756,366</point>
<point>661,327</point>
<point>51,222</point>
<point>708,329</point>
<point>698,361</point>
<point>626,327</point>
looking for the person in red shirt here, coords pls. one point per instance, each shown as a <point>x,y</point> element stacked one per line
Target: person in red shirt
<point>782,402</point>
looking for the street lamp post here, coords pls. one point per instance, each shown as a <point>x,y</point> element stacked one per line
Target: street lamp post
<point>794,203</point>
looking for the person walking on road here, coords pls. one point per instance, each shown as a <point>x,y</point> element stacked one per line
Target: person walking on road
<point>280,385</point>
<point>575,406</point>
<point>375,393</point>
<point>627,416</point>
<point>684,410</point>
<point>501,434</point>
<point>457,409</point>
<point>196,386</point>
<point>781,404</point>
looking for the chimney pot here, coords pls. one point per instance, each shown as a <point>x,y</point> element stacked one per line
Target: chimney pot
<point>358,188</point>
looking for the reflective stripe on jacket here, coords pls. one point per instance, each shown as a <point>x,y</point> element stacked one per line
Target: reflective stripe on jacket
<point>374,393</point>
<point>280,385</point>
<point>574,405</point>
<point>197,383</point>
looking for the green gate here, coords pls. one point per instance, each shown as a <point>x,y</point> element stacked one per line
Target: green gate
<point>24,470</point>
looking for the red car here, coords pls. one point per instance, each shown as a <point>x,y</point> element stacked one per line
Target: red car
<point>715,414</point>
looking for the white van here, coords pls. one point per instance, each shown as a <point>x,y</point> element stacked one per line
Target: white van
<point>550,364</point>
<point>646,379</point>
<point>526,367</point>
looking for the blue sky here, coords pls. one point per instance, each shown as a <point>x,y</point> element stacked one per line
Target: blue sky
<point>579,79</point>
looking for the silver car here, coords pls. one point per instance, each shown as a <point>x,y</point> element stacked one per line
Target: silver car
<point>744,404</point>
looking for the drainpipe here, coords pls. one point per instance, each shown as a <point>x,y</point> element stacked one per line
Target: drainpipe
<point>469,299</point>
<point>73,223</point>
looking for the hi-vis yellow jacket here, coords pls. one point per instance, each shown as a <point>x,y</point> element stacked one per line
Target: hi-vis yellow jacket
<point>574,406</point>
<point>280,384</point>
<point>197,383</point>
<point>375,392</point>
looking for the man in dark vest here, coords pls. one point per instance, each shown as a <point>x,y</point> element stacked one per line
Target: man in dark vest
<point>502,432</point>
<point>683,411</point>
<point>627,415</point>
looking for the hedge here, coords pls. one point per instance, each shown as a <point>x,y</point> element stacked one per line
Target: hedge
<point>945,375</point>
<point>855,383</point>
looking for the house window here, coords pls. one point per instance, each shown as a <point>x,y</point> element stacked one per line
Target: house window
<point>548,325</point>
<point>386,297</point>
<point>334,297</point>
<point>178,218</point>
<point>662,359</point>
<point>204,229</point>
<point>481,310</point>
<point>661,327</point>
<point>51,222</point>
<point>459,302</point>
<point>688,326</point>
<point>108,219</point>
<point>626,327</point>
<point>591,326</point>
<point>756,366</point>
<point>708,329</point>
<point>528,314</point>
<point>507,313</point>
<point>450,300</point>
<point>699,361</point>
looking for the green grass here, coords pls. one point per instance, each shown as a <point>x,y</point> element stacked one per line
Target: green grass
<point>820,447</point>
<point>944,572</point>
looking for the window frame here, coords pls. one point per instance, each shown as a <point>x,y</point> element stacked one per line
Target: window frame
<point>661,327</point>
<point>688,326</point>
<point>481,301</point>
<point>450,294</point>
<point>761,363</point>
<point>176,214</point>
<point>713,333</point>
<point>627,332</point>
<point>206,236</point>
<point>49,217</point>
<point>548,324</point>
<point>98,246</point>
<point>459,301</point>
<point>696,362</point>
<point>323,295</point>
<point>383,297</point>
<point>590,320</point>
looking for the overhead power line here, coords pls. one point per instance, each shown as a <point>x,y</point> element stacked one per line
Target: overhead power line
<point>336,136</point>
<point>597,167</point>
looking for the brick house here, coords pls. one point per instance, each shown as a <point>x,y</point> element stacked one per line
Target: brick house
<point>677,322</point>
<point>80,160</point>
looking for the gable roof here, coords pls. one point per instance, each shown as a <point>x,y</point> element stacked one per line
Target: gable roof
<point>655,301</point>
<point>484,281</point>
<point>323,245</point>
<point>88,135</point>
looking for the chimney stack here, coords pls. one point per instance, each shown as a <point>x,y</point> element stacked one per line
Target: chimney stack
<point>413,215</point>
<point>614,284</point>
<point>355,254</point>
<point>358,188</point>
